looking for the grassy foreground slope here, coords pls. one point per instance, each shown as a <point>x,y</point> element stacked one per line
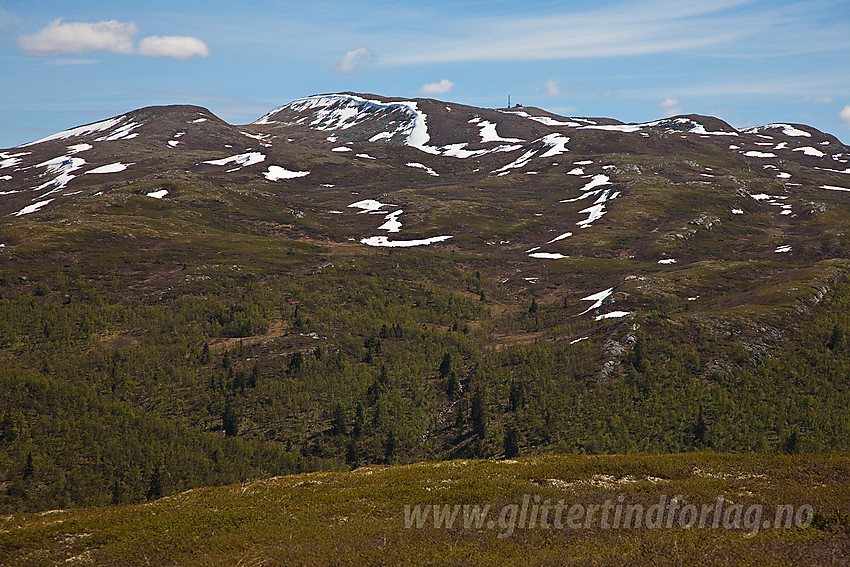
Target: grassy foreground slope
<point>358,517</point>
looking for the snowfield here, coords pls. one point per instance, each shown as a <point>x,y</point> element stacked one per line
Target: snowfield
<point>111,168</point>
<point>386,242</point>
<point>242,160</point>
<point>276,173</point>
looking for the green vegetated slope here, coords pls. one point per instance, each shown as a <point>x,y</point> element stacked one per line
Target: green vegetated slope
<point>239,329</point>
<point>177,370</point>
<point>544,510</point>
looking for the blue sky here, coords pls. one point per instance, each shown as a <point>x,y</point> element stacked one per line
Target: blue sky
<point>63,64</point>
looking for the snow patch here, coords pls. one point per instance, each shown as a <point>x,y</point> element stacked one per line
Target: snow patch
<point>368,205</point>
<point>561,237</point>
<point>32,208</point>
<point>556,143</point>
<point>276,173</point>
<point>547,255</point>
<point>759,154</point>
<point>386,242</point>
<point>77,148</point>
<point>597,299</point>
<point>242,160</point>
<point>427,169</point>
<point>111,168</point>
<point>11,160</point>
<point>489,134</point>
<point>157,194</point>
<point>613,315</point>
<point>392,224</point>
<point>809,151</point>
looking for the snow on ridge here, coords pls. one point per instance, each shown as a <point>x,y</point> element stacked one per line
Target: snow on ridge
<point>545,120</point>
<point>80,130</point>
<point>787,129</point>
<point>668,123</point>
<point>124,132</point>
<point>341,111</point>
<point>276,173</point>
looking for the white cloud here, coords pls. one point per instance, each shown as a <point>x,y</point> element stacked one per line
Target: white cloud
<point>670,106</point>
<point>442,87</point>
<point>845,115</point>
<point>553,88</point>
<point>178,47</point>
<point>355,60</point>
<point>73,38</point>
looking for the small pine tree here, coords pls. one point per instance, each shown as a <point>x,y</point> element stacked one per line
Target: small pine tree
<point>477,414</point>
<point>230,421</point>
<point>205,354</point>
<point>511,444</point>
<point>533,307</point>
<point>338,426</point>
<point>452,386</point>
<point>296,363</point>
<point>445,365</point>
<point>390,448</point>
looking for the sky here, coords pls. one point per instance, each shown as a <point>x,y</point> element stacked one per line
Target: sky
<point>749,62</point>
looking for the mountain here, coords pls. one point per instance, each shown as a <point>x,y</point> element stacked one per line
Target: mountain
<point>355,278</point>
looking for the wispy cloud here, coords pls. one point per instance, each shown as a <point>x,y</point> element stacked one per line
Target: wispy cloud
<point>670,106</point>
<point>74,38</point>
<point>441,87</point>
<point>818,98</point>
<point>553,88</point>
<point>731,27</point>
<point>8,22</point>
<point>355,60</point>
